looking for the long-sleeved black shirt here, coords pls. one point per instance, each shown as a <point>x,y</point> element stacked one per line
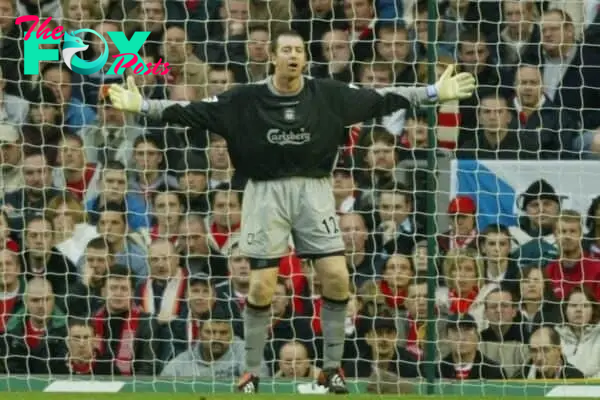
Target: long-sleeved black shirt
<point>273,136</point>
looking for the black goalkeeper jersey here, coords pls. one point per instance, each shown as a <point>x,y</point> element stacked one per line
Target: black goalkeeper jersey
<point>272,136</point>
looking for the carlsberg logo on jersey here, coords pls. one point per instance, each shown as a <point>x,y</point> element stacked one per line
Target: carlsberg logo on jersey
<point>284,137</point>
<point>72,44</point>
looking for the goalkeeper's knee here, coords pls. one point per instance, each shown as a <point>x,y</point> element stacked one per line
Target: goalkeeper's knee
<point>262,286</point>
<point>334,277</point>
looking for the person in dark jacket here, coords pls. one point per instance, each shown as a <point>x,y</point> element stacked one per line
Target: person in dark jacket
<point>192,174</point>
<point>383,353</point>
<point>497,135</point>
<point>575,90</point>
<point>547,361</point>
<point>196,254</point>
<point>591,241</point>
<point>505,322</point>
<point>85,298</point>
<point>12,287</point>
<point>183,333</point>
<point>124,332</point>
<point>537,304</point>
<point>40,259</point>
<point>399,229</point>
<point>35,340</point>
<point>465,361</point>
<point>535,233</point>
<point>81,356</point>
<point>34,196</point>
<point>537,115</point>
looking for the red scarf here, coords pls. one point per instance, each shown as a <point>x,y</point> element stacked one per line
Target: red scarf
<point>154,235</point>
<point>78,188</point>
<point>316,319</point>
<point>461,305</point>
<point>222,237</point>
<point>463,371</point>
<point>193,331</point>
<point>11,245</point>
<point>415,336</point>
<point>352,140</point>
<point>394,300</point>
<point>84,368</point>
<point>461,242</point>
<point>172,296</point>
<point>522,117</point>
<point>192,4</point>
<point>7,306</point>
<point>33,336</point>
<point>125,349</point>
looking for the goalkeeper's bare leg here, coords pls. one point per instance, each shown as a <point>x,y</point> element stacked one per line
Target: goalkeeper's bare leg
<point>333,274</point>
<point>335,281</point>
<point>257,318</point>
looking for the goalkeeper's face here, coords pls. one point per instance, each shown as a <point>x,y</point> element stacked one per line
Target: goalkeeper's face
<point>289,57</point>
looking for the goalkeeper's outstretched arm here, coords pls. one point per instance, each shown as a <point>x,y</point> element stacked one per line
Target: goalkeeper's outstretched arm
<point>206,114</point>
<point>358,105</point>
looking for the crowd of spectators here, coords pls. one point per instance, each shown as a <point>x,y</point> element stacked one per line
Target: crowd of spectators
<point>120,252</point>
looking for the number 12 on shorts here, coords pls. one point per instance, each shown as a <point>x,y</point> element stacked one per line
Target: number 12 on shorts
<point>330,224</point>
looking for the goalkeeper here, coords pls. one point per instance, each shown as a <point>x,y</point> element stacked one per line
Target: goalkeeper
<point>284,135</point>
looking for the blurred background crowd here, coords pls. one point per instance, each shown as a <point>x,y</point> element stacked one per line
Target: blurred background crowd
<point>119,234</point>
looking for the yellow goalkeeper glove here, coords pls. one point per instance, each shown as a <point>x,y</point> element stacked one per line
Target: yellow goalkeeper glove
<point>460,86</point>
<point>129,99</point>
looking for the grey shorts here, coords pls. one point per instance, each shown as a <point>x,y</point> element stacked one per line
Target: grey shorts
<point>303,208</point>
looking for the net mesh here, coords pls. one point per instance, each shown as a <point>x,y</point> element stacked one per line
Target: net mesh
<point>88,189</point>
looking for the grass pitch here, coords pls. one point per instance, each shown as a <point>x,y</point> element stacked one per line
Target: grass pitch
<point>198,396</point>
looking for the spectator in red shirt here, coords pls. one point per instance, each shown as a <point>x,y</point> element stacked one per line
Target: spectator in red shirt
<point>11,286</point>
<point>397,274</point>
<point>462,211</point>
<point>574,267</point>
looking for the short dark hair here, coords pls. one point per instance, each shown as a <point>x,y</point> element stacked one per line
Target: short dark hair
<point>120,271</point>
<point>79,321</point>
<point>98,243</point>
<point>224,187</point>
<point>470,36</point>
<point>113,165</point>
<point>288,32</point>
<point>495,228</point>
<point>71,136</point>
<point>398,188</point>
<point>36,217</point>
<point>151,139</point>
<point>495,93</point>
<point>256,27</point>
<point>54,65</point>
<point>113,206</point>
<point>167,192</point>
